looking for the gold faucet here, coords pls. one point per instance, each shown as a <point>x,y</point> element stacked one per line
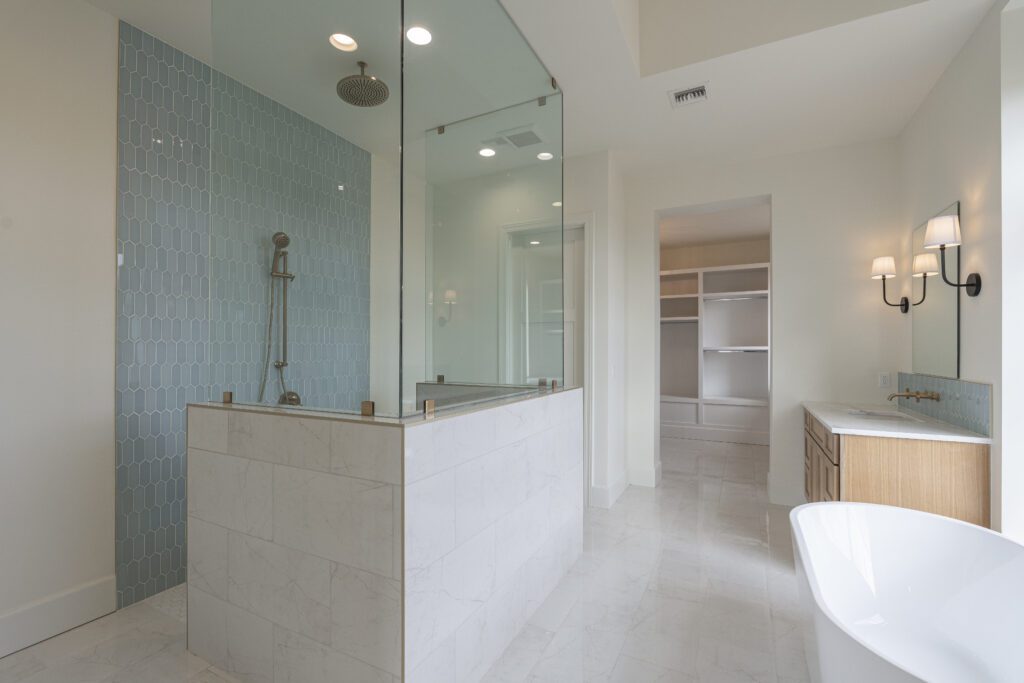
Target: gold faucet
<point>918,395</point>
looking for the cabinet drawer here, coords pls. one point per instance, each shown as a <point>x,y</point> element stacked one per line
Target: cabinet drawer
<point>826,439</point>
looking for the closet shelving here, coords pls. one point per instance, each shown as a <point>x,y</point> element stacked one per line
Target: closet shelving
<point>715,352</point>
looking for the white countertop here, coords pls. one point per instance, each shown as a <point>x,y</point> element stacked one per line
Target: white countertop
<point>837,417</point>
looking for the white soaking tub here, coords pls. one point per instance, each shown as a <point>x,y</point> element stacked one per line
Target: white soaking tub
<point>902,595</point>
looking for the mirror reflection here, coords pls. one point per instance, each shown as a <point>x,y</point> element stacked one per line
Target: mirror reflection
<point>936,307</point>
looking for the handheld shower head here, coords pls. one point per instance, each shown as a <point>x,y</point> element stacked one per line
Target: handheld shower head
<point>281,241</point>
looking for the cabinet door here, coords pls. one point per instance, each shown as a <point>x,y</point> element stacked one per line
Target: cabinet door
<point>830,480</point>
<point>808,469</point>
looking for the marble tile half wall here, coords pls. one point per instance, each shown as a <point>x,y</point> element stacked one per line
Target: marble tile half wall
<point>294,540</point>
<point>331,549</point>
<point>493,521</point>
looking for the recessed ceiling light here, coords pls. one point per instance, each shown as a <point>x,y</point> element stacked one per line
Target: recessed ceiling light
<point>556,204</point>
<point>487,152</point>
<point>341,188</point>
<point>545,156</point>
<point>418,35</point>
<point>344,42</point>
<point>534,242</point>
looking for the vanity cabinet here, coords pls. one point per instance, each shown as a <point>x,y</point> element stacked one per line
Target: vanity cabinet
<point>949,478</point>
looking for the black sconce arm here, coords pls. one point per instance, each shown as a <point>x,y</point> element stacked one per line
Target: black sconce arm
<point>924,290</point>
<point>973,284</point>
<point>904,302</point>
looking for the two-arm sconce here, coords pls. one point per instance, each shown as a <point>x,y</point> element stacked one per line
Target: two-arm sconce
<point>942,232</point>
<point>884,268</point>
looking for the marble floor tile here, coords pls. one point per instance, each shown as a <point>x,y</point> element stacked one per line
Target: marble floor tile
<point>144,643</point>
<point>690,582</point>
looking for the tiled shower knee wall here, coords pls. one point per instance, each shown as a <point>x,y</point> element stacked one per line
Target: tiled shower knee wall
<point>190,320</point>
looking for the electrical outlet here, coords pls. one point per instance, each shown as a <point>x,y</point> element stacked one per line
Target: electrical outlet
<point>884,380</point>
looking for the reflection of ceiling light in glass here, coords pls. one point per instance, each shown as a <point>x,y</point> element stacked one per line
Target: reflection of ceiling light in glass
<point>418,35</point>
<point>487,152</point>
<point>556,204</point>
<point>344,42</point>
<point>341,188</point>
<point>545,156</point>
<point>534,242</point>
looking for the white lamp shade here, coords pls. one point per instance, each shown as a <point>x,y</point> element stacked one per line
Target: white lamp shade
<point>451,296</point>
<point>926,264</point>
<point>942,231</point>
<point>883,266</point>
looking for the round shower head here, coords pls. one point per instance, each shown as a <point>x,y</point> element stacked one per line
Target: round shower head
<point>362,90</point>
<point>281,240</point>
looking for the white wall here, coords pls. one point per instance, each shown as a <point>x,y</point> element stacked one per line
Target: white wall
<point>57,198</point>
<point>950,151</point>
<point>594,192</point>
<point>833,211</point>
<point>1012,388</point>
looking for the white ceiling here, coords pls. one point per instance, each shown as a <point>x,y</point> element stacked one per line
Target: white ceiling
<point>732,221</point>
<point>860,80</point>
<point>676,34</point>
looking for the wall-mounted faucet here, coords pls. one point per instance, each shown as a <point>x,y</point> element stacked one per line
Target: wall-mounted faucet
<point>918,395</point>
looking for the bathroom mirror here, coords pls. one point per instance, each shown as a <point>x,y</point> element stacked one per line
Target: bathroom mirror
<point>936,311</point>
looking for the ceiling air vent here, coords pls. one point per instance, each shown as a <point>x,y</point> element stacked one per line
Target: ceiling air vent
<point>681,98</point>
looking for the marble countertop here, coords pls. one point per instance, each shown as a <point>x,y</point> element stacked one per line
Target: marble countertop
<point>843,418</point>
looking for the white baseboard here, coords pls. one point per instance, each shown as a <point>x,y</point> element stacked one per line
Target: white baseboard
<point>42,619</point>
<point>605,496</point>
<point>704,433</point>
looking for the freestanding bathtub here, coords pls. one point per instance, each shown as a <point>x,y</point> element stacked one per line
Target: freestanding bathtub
<point>902,595</point>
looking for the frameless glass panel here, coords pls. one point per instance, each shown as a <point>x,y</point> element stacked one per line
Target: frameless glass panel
<point>482,219</point>
<point>304,196</point>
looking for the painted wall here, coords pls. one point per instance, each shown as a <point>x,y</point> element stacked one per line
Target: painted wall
<point>594,193</point>
<point>833,211</point>
<point>950,151</point>
<point>208,170</point>
<point>1011,388</point>
<point>57,186</point>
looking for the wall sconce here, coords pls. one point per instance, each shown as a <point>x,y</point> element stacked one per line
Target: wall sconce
<point>925,265</point>
<point>451,297</point>
<point>942,232</point>
<point>883,268</point>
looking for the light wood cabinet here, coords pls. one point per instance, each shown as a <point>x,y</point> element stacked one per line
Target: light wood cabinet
<point>944,477</point>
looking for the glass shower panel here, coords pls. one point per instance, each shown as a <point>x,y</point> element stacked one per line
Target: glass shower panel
<point>304,196</point>
<point>482,220</point>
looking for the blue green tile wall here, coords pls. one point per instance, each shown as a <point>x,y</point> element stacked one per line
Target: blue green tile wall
<point>965,404</point>
<point>208,170</point>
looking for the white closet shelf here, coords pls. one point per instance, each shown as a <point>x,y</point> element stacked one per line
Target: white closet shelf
<point>714,269</point>
<point>679,296</point>
<point>736,401</point>
<point>681,319</point>
<point>679,399</point>
<point>736,349</point>
<point>751,294</point>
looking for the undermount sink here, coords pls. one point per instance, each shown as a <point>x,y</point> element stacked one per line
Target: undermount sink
<point>882,414</point>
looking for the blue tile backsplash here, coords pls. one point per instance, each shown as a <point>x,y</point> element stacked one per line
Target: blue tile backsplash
<point>964,404</point>
<point>207,170</point>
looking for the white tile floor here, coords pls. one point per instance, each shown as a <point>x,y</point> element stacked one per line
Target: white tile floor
<point>692,581</point>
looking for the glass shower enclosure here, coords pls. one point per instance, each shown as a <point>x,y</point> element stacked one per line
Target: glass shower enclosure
<point>385,205</point>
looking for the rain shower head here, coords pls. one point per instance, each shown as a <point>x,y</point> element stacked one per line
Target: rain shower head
<point>362,90</point>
